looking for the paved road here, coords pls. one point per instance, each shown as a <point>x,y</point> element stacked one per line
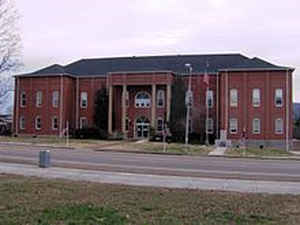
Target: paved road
<point>153,180</point>
<point>212,167</point>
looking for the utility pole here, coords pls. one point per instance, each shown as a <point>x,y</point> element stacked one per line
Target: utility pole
<point>188,103</point>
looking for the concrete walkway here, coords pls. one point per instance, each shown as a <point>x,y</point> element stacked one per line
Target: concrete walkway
<point>218,151</point>
<point>153,180</point>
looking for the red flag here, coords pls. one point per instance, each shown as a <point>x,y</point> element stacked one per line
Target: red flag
<point>206,79</point>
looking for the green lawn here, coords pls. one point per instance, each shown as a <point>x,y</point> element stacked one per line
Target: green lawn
<point>257,152</point>
<point>35,201</point>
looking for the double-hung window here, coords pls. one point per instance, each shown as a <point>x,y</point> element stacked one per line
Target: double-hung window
<point>233,97</point>
<point>256,97</point>
<point>209,126</point>
<point>83,100</point>
<point>161,98</point>
<point>23,99</point>
<point>233,125</point>
<point>55,99</point>
<point>278,97</point>
<point>209,98</point>
<point>256,126</point>
<point>279,126</point>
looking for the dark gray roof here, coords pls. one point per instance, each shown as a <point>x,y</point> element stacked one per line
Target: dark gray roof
<point>174,63</point>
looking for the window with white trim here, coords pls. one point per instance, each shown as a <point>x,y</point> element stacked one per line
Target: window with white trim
<point>83,100</point>
<point>38,123</point>
<point>278,97</point>
<point>22,123</point>
<point>161,98</point>
<point>209,125</point>
<point>39,99</point>
<point>278,126</point>
<point>233,125</point>
<point>55,99</point>
<point>54,123</point>
<point>256,126</point>
<point>23,99</point>
<point>209,98</point>
<point>233,97</point>
<point>142,100</point>
<point>160,124</point>
<point>256,97</point>
<point>83,122</point>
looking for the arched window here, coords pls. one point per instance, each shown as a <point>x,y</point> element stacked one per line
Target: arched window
<point>142,100</point>
<point>160,98</point>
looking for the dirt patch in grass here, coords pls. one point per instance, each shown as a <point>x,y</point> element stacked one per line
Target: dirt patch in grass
<point>257,152</point>
<point>40,201</point>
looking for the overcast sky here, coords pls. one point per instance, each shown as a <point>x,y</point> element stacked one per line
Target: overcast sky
<point>62,31</point>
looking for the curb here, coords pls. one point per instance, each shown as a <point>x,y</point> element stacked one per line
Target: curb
<point>36,145</point>
<point>139,152</point>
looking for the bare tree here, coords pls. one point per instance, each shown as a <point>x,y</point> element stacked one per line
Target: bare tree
<point>10,41</point>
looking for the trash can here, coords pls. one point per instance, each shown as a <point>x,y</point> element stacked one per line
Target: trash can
<point>44,159</point>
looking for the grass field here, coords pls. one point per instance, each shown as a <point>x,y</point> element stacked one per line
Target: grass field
<point>257,152</point>
<point>33,201</point>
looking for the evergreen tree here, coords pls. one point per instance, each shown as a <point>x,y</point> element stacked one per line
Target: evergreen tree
<point>178,109</point>
<point>101,109</point>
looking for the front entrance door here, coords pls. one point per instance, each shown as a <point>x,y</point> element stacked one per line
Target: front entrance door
<point>142,127</point>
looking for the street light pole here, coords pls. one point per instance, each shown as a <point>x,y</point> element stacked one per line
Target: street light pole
<point>188,104</point>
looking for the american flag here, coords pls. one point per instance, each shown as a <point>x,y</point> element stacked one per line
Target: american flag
<point>206,78</point>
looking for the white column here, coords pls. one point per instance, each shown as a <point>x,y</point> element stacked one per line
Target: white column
<point>124,109</point>
<point>61,106</point>
<point>110,105</point>
<point>169,97</point>
<point>153,108</point>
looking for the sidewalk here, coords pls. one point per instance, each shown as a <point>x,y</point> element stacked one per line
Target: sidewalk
<point>153,180</point>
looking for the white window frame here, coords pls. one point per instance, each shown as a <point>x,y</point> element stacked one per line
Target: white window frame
<point>23,99</point>
<point>234,94</point>
<point>36,123</point>
<point>162,124</point>
<point>233,121</point>
<point>55,99</point>
<point>256,99</point>
<point>209,126</point>
<point>53,123</point>
<point>160,96</point>
<point>277,130</point>
<point>280,90</point>
<point>210,96</point>
<point>83,99</point>
<point>82,123</point>
<point>256,126</point>
<point>22,123</point>
<point>39,99</point>
<point>142,103</point>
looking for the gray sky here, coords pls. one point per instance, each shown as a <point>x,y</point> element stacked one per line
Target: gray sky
<point>62,31</point>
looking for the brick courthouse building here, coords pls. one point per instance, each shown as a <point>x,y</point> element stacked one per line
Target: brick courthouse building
<point>246,96</point>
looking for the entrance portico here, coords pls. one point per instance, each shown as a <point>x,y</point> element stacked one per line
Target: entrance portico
<point>133,100</point>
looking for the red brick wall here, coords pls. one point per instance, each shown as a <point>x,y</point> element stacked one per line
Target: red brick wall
<point>245,82</point>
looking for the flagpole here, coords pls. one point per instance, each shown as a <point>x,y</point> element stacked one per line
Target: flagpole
<point>207,107</point>
<point>287,111</point>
